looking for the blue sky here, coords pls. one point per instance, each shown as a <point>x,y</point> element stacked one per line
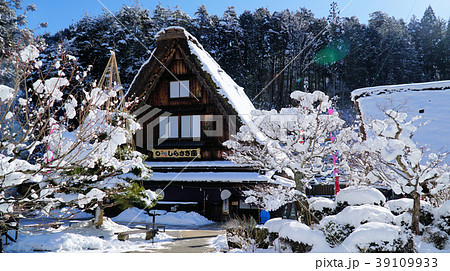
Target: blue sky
<point>60,14</point>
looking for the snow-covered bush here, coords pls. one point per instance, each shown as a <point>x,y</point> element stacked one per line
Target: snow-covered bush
<point>321,207</point>
<point>439,232</point>
<point>399,206</point>
<point>379,237</point>
<point>337,227</point>
<point>436,236</point>
<point>358,215</point>
<point>336,233</point>
<point>404,208</point>
<point>273,227</point>
<point>359,195</point>
<point>299,238</point>
<point>443,217</point>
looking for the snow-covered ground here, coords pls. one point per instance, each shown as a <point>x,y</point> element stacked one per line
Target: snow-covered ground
<point>371,223</point>
<point>85,237</point>
<point>162,217</point>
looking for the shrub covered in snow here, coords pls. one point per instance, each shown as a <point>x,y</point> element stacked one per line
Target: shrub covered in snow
<point>359,195</point>
<point>298,237</point>
<point>444,209</point>
<point>404,208</point>
<point>436,236</point>
<point>358,215</point>
<point>321,207</point>
<point>379,237</point>
<point>443,217</point>
<point>336,233</point>
<point>337,227</point>
<point>273,227</point>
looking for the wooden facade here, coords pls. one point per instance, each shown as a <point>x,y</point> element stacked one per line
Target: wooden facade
<point>173,62</point>
<point>188,159</point>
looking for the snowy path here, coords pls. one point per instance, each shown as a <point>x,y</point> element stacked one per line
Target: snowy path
<point>191,241</point>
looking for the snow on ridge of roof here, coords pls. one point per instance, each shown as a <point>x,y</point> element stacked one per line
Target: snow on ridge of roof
<point>185,164</point>
<point>232,177</point>
<point>436,85</point>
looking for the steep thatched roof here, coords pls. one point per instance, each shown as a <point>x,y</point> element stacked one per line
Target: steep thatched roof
<point>227,95</point>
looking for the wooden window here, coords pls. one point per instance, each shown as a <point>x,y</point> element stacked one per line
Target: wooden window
<point>190,126</point>
<point>168,127</point>
<point>163,127</point>
<point>173,127</point>
<point>179,89</point>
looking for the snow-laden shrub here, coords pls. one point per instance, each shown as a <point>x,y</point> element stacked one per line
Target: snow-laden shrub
<point>336,233</point>
<point>358,215</point>
<point>444,209</point>
<point>403,220</point>
<point>401,206</point>
<point>437,237</point>
<point>439,233</point>
<point>273,227</point>
<point>299,238</point>
<point>359,195</point>
<point>320,207</point>
<point>337,227</point>
<point>443,217</point>
<point>379,237</point>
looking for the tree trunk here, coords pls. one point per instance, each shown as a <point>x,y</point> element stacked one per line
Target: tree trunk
<point>99,211</point>
<point>304,205</point>
<point>416,213</point>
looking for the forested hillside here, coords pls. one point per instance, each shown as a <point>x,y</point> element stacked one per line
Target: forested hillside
<point>334,54</point>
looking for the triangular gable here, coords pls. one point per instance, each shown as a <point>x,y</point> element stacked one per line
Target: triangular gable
<point>229,98</point>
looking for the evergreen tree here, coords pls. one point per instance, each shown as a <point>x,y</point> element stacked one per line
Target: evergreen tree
<point>428,34</point>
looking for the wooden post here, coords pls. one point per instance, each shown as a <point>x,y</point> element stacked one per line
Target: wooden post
<point>98,220</point>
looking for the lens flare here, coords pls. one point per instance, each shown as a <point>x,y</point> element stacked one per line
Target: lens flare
<point>332,53</point>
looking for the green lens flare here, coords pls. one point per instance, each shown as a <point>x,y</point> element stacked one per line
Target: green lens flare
<point>332,53</point>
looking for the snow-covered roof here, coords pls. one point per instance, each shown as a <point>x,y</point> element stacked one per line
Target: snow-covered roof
<point>371,91</point>
<point>193,164</point>
<point>232,177</point>
<point>225,85</point>
<point>429,100</point>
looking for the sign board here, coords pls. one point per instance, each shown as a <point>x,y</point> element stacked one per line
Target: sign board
<point>225,207</point>
<point>177,153</point>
